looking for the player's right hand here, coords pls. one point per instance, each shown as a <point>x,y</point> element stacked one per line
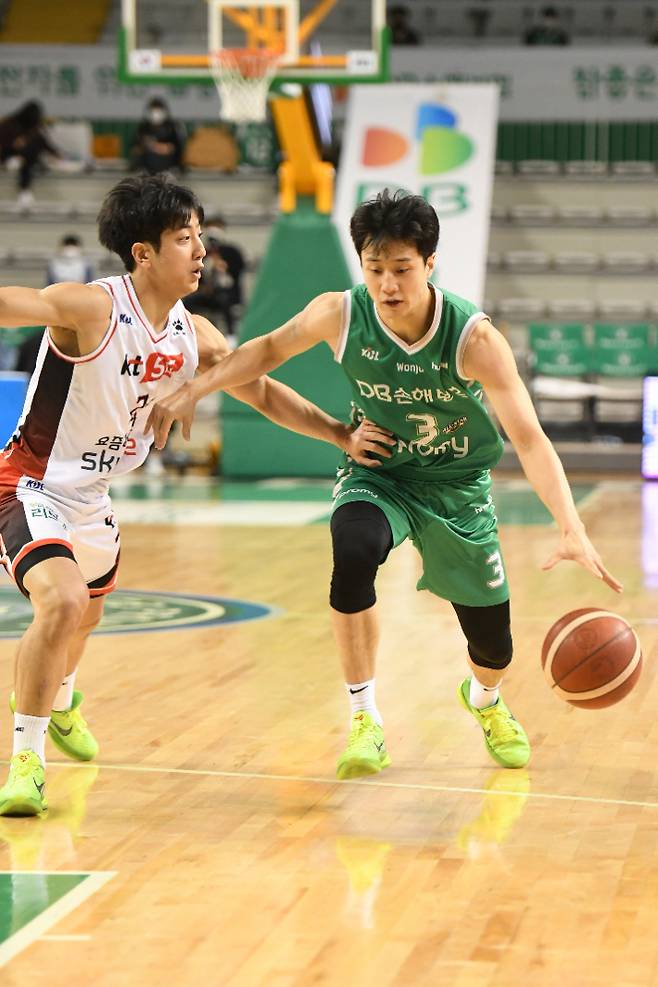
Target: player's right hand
<point>369,441</point>
<point>179,406</point>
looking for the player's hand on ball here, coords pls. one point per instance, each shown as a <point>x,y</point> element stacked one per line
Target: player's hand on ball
<point>179,406</point>
<point>576,546</point>
<point>369,441</point>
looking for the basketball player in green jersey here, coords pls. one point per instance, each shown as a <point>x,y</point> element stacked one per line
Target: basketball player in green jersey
<point>418,359</point>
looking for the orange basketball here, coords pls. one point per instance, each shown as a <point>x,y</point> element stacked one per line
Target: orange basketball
<point>591,658</point>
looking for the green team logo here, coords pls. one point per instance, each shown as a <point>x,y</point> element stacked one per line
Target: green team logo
<point>131,611</point>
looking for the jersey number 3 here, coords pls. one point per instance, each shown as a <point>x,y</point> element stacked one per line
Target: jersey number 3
<point>426,428</point>
<point>496,562</point>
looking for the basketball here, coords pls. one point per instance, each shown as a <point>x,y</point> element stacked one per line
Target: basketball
<point>591,658</point>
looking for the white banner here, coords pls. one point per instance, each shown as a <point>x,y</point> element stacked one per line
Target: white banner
<point>437,141</point>
<point>546,83</point>
<point>81,81</point>
<point>611,83</point>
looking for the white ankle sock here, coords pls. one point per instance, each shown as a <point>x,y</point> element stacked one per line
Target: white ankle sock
<point>30,734</point>
<point>482,696</point>
<point>362,699</point>
<point>64,698</point>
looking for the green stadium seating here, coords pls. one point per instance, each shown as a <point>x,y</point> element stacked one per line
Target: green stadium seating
<point>622,350</point>
<point>558,350</point>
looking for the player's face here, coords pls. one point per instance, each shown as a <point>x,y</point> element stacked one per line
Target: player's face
<point>179,261</point>
<point>396,277</point>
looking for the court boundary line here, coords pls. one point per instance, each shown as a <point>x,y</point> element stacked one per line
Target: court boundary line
<point>36,929</point>
<point>363,782</point>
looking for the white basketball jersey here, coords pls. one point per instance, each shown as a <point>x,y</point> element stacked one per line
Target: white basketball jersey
<point>83,419</point>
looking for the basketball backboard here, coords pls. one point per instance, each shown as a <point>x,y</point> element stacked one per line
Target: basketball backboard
<point>334,41</point>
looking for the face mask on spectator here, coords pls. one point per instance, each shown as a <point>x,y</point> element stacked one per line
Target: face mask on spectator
<point>157,115</point>
<point>70,251</point>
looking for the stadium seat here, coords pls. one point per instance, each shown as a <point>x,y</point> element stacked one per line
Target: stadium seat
<point>558,350</point>
<point>622,350</point>
<point>504,168</point>
<point>520,309</point>
<point>499,214</point>
<point>634,169</point>
<point>571,308</point>
<point>532,214</point>
<point>586,169</point>
<point>580,215</point>
<point>621,356</point>
<point>626,262</point>
<point>538,167</point>
<point>621,310</point>
<point>559,363</point>
<point>630,215</point>
<point>527,261</point>
<point>576,262</point>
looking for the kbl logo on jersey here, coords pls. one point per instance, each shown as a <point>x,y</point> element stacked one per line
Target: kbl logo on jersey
<point>442,147</point>
<point>156,366</point>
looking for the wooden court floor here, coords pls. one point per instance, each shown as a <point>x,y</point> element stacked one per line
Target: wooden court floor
<point>220,849</point>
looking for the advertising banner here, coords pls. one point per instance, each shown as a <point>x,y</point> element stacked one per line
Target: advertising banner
<point>437,141</point>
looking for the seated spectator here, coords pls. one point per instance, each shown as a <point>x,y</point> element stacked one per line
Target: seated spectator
<point>69,263</point>
<point>402,33</point>
<point>23,140</point>
<point>159,141</point>
<point>548,31</point>
<point>219,294</point>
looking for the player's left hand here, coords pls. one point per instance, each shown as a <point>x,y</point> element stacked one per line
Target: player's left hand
<point>576,546</point>
<point>367,442</point>
<point>179,406</point>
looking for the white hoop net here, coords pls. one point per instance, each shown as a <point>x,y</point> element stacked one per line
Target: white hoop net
<point>243,77</point>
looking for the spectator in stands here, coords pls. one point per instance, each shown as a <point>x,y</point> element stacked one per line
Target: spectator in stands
<point>220,290</point>
<point>23,140</point>
<point>69,263</point>
<point>402,33</point>
<point>548,31</point>
<point>159,141</point>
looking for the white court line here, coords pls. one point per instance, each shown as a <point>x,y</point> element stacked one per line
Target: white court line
<point>65,938</point>
<point>39,926</point>
<point>260,776</point>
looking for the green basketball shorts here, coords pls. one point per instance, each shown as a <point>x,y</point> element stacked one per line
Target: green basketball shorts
<point>452,524</point>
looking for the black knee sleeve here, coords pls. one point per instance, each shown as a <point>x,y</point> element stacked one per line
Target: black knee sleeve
<point>361,538</point>
<point>488,633</point>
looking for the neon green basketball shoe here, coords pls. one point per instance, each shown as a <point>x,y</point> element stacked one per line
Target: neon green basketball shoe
<point>24,792</point>
<point>69,731</point>
<point>504,736</point>
<point>366,752</point>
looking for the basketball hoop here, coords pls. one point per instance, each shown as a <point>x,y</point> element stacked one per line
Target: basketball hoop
<point>243,77</point>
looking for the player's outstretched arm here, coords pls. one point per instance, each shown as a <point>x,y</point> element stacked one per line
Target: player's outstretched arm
<point>71,306</point>
<point>289,409</point>
<point>489,359</point>
<point>320,321</point>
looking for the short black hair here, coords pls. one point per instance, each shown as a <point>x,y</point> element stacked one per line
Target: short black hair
<point>404,217</point>
<point>139,210</point>
<point>70,240</point>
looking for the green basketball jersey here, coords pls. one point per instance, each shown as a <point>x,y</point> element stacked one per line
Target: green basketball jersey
<point>417,392</point>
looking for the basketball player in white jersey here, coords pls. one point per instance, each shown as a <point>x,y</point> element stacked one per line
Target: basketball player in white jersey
<point>110,349</point>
